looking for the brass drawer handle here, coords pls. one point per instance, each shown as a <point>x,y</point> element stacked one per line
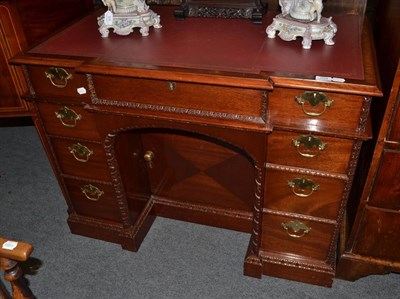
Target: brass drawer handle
<point>68,117</point>
<point>303,187</point>
<point>171,85</point>
<point>296,229</point>
<point>80,152</point>
<point>92,192</point>
<point>314,98</point>
<point>58,77</point>
<point>148,157</point>
<point>312,145</point>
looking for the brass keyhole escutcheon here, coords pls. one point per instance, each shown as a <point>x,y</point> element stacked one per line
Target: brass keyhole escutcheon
<point>149,157</point>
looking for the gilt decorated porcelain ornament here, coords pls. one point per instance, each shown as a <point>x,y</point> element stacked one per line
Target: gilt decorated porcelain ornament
<point>125,15</point>
<point>302,18</point>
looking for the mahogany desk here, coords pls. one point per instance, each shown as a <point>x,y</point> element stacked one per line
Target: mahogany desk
<point>207,121</point>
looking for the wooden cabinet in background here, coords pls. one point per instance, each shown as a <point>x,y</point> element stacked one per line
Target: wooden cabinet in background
<point>372,241</point>
<point>23,23</point>
<point>12,82</point>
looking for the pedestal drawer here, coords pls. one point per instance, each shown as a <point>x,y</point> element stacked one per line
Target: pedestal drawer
<point>303,193</point>
<point>315,110</point>
<point>309,151</point>
<point>83,159</point>
<point>296,238</point>
<point>58,82</point>
<point>68,121</point>
<point>93,199</point>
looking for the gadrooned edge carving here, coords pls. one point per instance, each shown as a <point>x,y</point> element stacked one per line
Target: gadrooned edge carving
<point>168,109</point>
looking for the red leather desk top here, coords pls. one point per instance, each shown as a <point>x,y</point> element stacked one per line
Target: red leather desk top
<point>235,45</point>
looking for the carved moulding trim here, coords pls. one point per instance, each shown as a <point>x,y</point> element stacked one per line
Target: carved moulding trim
<point>307,171</point>
<point>116,179</point>
<point>346,193</point>
<point>217,12</point>
<point>266,258</point>
<point>68,176</point>
<point>364,114</point>
<point>75,139</point>
<point>73,217</point>
<point>300,216</point>
<point>201,208</point>
<point>28,81</point>
<point>169,109</point>
<point>255,240</point>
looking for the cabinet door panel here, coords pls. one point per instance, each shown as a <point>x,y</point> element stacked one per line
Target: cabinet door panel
<point>394,133</point>
<point>195,169</point>
<point>386,192</point>
<point>379,235</point>
<point>11,80</point>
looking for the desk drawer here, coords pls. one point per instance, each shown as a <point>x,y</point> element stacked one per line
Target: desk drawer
<point>68,121</point>
<point>58,82</point>
<point>309,151</point>
<point>303,194</point>
<point>83,159</point>
<point>335,112</point>
<point>293,237</point>
<point>93,199</point>
<point>180,97</point>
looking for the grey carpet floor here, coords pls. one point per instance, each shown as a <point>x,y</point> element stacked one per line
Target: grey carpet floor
<point>176,260</point>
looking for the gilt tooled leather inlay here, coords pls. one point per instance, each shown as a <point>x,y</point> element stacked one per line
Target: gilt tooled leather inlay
<point>169,109</point>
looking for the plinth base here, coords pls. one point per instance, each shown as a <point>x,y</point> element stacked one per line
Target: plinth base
<point>123,24</point>
<point>289,29</point>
